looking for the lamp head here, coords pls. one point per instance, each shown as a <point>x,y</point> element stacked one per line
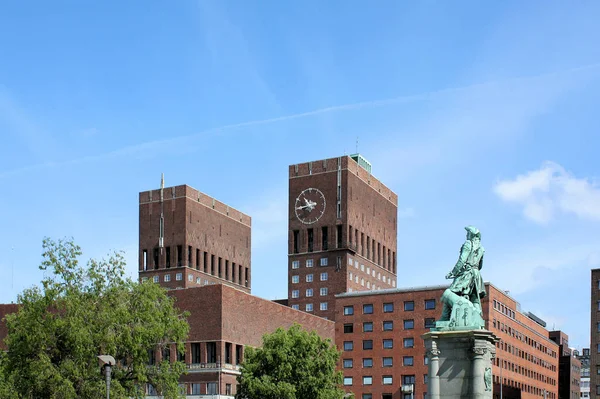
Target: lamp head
<point>106,360</point>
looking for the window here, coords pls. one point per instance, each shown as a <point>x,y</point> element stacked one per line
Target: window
<point>309,292</point>
<point>211,388</point>
<point>348,310</point>
<point>407,361</point>
<point>347,363</point>
<point>144,279</point>
<point>295,264</point>
<point>409,324</point>
<point>388,343</point>
<point>323,262</point>
<point>295,293</point>
<point>310,240</point>
<point>348,345</point>
<point>296,307</point>
<point>367,396</point>
<point>429,322</point>
<point>347,380</point>
<point>388,362</point>
<point>388,307</point>
<point>323,306</point>
<point>368,309</point>
<point>228,389</point>
<point>309,307</point>
<point>198,280</point>
<point>323,291</point>
<point>178,276</point>
<point>409,342</point>
<point>324,276</point>
<point>367,326</point>
<point>309,278</point>
<point>348,328</point>
<point>167,278</point>
<point>429,304</point>
<point>191,277</point>
<point>168,256</point>
<point>296,233</point>
<point>367,344</point>
<point>195,349</point>
<point>155,279</point>
<point>388,325</point>
<point>367,362</point>
<point>409,306</point>
<point>195,389</point>
<point>367,380</point>
<point>295,279</point>
<point>408,379</point>
<point>425,378</point>
<point>387,380</point>
<point>324,240</point>
<point>309,263</point>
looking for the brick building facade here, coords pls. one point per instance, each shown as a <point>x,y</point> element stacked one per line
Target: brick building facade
<point>569,367</point>
<point>223,320</point>
<point>595,334</point>
<point>379,334</point>
<point>188,239</point>
<point>342,232</point>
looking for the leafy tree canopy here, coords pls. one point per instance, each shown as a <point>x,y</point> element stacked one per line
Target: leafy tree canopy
<point>80,312</point>
<point>292,364</point>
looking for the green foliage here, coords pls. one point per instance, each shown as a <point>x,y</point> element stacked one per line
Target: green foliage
<point>292,364</point>
<point>81,312</point>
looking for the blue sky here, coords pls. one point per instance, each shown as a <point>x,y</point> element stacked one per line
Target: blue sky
<point>481,113</point>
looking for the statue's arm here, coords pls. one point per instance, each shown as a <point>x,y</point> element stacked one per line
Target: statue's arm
<point>465,250</point>
<point>481,261</point>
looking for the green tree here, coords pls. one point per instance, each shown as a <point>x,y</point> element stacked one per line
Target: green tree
<point>80,312</point>
<point>292,364</point>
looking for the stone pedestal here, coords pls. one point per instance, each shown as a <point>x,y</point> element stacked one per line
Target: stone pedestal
<point>460,364</point>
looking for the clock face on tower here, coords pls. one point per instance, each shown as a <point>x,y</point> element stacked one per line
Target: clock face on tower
<point>310,205</point>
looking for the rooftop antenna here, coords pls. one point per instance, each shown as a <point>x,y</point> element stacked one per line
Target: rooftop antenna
<point>357,144</point>
<point>162,181</point>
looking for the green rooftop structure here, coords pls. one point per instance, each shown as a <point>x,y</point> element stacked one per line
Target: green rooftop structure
<point>362,162</point>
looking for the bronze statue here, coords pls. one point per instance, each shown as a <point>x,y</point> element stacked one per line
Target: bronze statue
<point>467,285</point>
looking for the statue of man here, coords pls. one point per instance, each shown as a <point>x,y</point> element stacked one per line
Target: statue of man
<point>467,278</point>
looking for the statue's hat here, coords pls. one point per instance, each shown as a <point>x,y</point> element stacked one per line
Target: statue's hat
<point>473,230</point>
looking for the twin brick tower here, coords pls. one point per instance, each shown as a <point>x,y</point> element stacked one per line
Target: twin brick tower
<point>341,235</point>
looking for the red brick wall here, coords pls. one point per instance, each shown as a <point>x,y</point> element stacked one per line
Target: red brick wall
<point>366,205</point>
<point>193,219</point>
<point>539,349</point>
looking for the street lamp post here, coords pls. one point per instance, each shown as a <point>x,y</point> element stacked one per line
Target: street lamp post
<point>106,364</point>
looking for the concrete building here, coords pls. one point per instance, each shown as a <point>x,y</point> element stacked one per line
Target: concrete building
<point>569,367</point>
<point>584,384</point>
<point>595,334</point>
<point>379,334</point>
<point>342,232</point>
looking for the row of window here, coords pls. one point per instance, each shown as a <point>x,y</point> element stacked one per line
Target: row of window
<point>323,291</point>
<point>373,250</point>
<point>386,379</point>
<point>310,263</point>
<point>505,328</point>
<point>508,365</point>
<point>525,388</point>
<point>309,278</point>
<point>309,306</point>
<point>390,396</point>
<point>208,354</point>
<point>388,325</point>
<point>367,344</point>
<point>370,271</point>
<point>178,277</point>
<point>195,388</point>
<point>215,266</point>
<point>361,280</point>
<point>388,307</point>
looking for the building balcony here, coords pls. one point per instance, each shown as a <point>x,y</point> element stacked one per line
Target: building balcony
<point>213,367</point>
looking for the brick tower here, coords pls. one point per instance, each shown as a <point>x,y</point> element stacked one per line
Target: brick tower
<point>342,232</point>
<point>188,239</point>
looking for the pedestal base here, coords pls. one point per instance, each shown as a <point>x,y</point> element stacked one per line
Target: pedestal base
<point>460,364</point>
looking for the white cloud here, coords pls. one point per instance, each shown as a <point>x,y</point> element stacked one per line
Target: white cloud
<point>551,190</point>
